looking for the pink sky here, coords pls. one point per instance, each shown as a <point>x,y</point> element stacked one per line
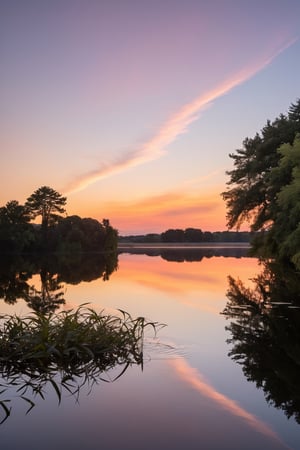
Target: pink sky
<point>131,109</point>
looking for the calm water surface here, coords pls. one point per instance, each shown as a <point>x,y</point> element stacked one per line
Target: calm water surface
<point>190,393</point>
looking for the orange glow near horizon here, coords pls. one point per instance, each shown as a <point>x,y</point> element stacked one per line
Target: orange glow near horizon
<point>175,209</point>
<point>198,285</point>
<point>127,139</point>
<point>183,279</point>
<point>195,379</point>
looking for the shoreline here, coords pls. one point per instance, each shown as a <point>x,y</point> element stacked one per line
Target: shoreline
<point>183,245</point>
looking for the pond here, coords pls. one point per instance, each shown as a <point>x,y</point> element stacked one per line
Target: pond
<point>207,380</point>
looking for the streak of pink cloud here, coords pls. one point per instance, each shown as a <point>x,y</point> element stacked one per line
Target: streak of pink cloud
<point>171,129</point>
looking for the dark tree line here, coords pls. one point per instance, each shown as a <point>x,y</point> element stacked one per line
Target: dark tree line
<point>190,235</point>
<point>196,235</point>
<point>264,187</point>
<point>57,232</point>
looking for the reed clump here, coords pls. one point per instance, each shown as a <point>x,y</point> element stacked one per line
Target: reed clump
<point>67,349</point>
<point>71,339</point>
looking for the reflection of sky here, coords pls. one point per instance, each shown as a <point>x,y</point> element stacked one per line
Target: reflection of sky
<point>194,379</point>
<point>203,283</point>
<point>148,410</point>
<point>199,401</point>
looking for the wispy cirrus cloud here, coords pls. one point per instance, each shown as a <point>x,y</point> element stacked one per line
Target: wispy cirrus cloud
<point>176,125</point>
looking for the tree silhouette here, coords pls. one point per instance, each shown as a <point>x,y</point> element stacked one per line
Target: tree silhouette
<point>50,297</point>
<point>265,334</point>
<point>46,202</point>
<point>264,184</point>
<point>16,233</point>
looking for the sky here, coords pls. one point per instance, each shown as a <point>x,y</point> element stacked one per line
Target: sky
<point>130,108</point>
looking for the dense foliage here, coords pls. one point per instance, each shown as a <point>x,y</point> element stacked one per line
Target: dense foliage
<point>56,232</point>
<point>46,202</point>
<point>264,187</point>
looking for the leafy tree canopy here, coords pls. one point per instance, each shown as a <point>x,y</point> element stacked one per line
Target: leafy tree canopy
<point>264,186</point>
<point>13,214</point>
<point>286,229</point>
<point>46,202</point>
<point>15,231</point>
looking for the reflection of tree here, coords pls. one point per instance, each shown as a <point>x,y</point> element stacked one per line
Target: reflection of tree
<point>49,298</point>
<point>13,286</point>
<point>65,352</point>
<point>54,271</point>
<point>87,267</point>
<point>186,253</point>
<point>14,275</point>
<point>265,334</point>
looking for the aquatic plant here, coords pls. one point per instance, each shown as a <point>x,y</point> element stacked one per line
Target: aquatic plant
<point>67,349</point>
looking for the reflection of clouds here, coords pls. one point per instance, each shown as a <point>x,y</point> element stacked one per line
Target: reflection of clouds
<point>198,285</point>
<point>181,295</point>
<point>171,276</point>
<point>209,274</point>
<point>195,379</point>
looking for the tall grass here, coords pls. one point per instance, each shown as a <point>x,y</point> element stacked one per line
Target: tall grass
<point>66,350</point>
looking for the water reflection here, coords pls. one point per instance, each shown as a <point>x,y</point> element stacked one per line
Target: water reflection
<point>198,400</point>
<point>24,371</point>
<point>49,297</point>
<point>195,379</point>
<point>265,334</point>
<point>65,351</point>
<point>53,271</point>
<point>181,253</point>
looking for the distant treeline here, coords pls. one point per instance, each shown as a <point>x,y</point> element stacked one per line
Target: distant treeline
<point>190,235</point>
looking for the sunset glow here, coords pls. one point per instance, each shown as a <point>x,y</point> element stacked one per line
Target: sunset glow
<point>130,109</point>
<point>157,213</point>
